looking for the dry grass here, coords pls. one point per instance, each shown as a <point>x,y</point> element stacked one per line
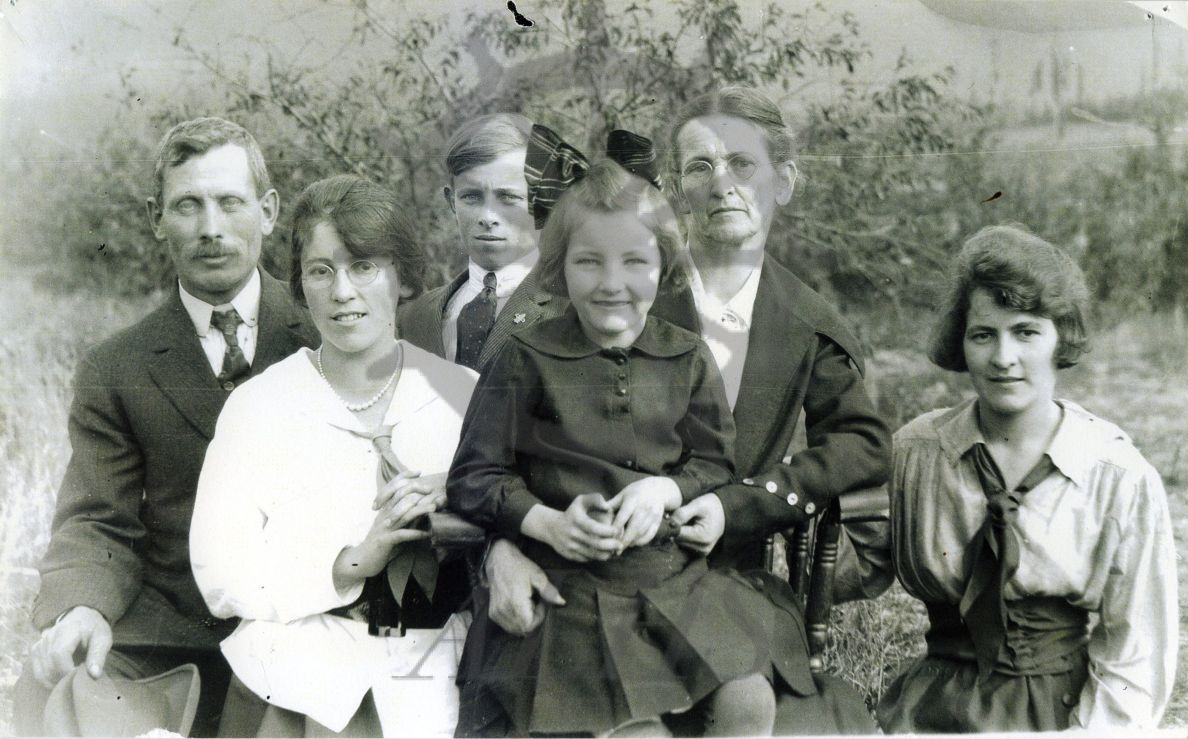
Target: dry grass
<point>38,357</point>
<point>1134,377</point>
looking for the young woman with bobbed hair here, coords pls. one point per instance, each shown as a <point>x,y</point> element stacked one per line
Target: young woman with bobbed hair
<point>1034,532</point>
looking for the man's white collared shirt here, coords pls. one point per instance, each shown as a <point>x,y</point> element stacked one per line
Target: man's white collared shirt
<point>246,303</point>
<point>507,279</point>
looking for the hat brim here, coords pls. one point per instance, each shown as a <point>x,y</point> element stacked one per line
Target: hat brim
<point>80,705</point>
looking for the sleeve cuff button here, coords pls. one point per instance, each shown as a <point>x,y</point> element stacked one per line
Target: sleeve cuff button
<point>771,486</point>
<point>810,508</point>
<point>792,499</point>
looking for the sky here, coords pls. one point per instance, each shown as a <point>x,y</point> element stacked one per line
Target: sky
<point>62,61</point>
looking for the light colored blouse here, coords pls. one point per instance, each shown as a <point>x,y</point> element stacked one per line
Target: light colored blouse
<point>1095,532</point>
<point>726,327</point>
<point>284,488</point>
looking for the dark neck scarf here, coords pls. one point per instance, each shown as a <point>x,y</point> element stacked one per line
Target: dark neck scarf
<point>995,556</point>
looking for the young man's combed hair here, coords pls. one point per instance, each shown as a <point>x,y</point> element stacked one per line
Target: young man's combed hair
<point>484,139</point>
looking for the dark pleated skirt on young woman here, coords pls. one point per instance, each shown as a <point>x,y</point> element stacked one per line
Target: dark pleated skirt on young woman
<point>648,633</point>
<point>1034,687</point>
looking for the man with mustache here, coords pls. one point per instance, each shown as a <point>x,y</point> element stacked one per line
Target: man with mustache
<point>117,591</point>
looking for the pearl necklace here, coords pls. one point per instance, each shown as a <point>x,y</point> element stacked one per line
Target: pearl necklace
<point>356,407</point>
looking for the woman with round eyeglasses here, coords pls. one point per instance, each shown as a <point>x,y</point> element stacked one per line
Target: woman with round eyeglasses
<point>1035,533</point>
<point>699,172</point>
<point>306,519</point>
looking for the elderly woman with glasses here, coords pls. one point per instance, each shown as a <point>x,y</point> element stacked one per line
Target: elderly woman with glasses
<point>306,520</point>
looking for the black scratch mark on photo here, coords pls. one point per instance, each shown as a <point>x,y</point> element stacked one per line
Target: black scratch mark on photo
<point>520,19</point>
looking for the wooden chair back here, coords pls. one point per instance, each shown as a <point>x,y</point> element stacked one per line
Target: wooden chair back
<point>811,551</point>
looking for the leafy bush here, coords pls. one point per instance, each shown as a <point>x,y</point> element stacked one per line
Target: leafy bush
<point>1119,213</point>
<point>583,73</point>
<point>893,176</point>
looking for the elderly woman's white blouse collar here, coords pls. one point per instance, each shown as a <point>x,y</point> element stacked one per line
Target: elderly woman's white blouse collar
<point>738,311</point>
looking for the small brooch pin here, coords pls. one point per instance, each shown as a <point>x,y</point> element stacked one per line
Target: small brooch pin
<point>519,318</point>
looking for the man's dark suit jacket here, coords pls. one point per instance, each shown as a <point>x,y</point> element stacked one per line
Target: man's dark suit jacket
<point>144,410</point>
<point>800,356</point>
<point>420,320</point>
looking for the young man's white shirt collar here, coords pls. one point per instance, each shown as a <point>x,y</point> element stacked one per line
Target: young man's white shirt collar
<point>726,326</point>
<point>246,303</point>
<point>507,279</point>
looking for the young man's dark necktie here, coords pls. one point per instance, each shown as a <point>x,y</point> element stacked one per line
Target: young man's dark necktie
<point>235,365</point>
<point>475,322</point>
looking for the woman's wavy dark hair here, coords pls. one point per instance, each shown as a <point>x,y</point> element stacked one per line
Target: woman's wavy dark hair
<point>608,188</point>
<point>365,217</point>
<point>1024,273</point>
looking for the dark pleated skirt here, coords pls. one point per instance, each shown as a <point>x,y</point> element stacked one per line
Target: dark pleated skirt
<point>650,633</point>
<point>939,694</point>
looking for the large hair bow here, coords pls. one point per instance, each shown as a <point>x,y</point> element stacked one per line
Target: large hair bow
<point>552,165</point>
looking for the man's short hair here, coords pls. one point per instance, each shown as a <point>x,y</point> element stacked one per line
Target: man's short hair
<point>1024,273</point>
<point>367,219</point>
<point>746,103</point>
<point>608,188</point>
<point>484,139</point>
<point>195,137</point>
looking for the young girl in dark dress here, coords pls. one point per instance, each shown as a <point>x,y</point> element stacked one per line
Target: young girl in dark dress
<point>581,436</point>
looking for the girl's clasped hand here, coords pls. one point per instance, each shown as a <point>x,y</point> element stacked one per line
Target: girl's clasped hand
<point>640,508</point>
<point>593,528</point>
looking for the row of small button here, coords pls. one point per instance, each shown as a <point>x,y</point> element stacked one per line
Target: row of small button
<point>792,498</point>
